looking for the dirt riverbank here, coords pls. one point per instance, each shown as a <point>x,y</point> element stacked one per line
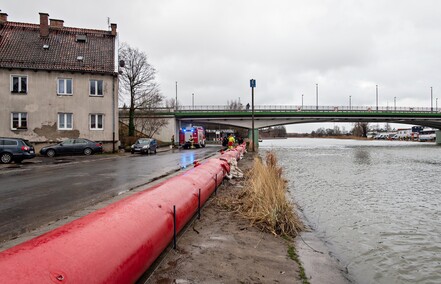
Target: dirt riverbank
<point>221,247</point>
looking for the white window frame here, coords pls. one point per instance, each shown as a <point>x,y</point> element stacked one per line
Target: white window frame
<point>95,117</point>
<point>19,84</point>
<point>65,93</point>
<point>62,121</point>
<point>21,117</point>
<point>96,88</point>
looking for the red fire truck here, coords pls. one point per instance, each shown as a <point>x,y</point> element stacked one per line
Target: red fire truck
<point>192,136</point>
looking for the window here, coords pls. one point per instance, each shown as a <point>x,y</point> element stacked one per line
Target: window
<point>65,121</point>
<point>64,87</point>
<point>19,84</point>
<point>96,87</point>
<point>96,122</point>
<point>19,120</point>
<point>69,142</point>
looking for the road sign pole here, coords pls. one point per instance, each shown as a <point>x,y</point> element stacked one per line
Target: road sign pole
<point>252,85</point>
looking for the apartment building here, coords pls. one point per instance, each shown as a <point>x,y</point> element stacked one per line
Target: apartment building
<point>58,82</point>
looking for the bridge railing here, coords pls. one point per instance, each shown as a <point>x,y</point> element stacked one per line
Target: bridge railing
<point>295,108</point>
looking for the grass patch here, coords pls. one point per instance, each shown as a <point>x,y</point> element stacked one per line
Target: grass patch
<point>263,199</point>
<point>294,256</point>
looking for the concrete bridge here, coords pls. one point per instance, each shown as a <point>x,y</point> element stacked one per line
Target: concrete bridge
<point>273,115</point>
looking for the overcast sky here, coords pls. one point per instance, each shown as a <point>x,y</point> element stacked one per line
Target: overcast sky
<point>212,48</point>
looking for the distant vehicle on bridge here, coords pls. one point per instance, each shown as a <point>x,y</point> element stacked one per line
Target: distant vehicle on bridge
<point>192,137</point>
<point>427,134</point>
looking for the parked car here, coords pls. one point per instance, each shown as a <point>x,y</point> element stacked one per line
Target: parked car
<point>144,146</point>
<point>73,146</point>
<point>15,149</point>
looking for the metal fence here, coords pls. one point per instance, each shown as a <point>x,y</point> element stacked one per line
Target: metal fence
<point>293,108</point>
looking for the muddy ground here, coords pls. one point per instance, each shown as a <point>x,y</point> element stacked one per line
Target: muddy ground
<point>222,247</point>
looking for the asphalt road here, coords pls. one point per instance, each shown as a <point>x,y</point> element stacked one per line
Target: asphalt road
<point>46,190</point>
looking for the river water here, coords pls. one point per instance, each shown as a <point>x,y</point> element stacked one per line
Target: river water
<point>375,204</point>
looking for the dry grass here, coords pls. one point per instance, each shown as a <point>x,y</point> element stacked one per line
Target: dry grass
<point>263,199</point>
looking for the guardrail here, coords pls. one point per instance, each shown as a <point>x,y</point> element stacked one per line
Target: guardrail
<point>290,108</point>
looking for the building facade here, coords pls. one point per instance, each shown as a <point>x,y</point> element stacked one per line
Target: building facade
<point>58,82</point>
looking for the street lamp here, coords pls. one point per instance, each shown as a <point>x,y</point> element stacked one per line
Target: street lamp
<point>395,103</point>
<point>431,99</point>
<point>192,100</point>
<point>376,92</point>
<point>176,101</point>
<point>436,101</point>
<point>350,102</point>
<point>302,101</point>
<point>316,96</point>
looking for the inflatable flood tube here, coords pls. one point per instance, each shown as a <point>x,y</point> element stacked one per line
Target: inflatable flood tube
<point>118,243</point>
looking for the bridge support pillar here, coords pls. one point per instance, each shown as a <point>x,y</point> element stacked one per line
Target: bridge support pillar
<point>256,139</point>
<point>438,137</point>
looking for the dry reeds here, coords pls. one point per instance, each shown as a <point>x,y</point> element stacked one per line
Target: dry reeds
<point>263,199</point>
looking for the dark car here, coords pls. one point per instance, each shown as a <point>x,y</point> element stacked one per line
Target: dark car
<point>144,146</point>
<point>15,149</point>
<point>73,146</point>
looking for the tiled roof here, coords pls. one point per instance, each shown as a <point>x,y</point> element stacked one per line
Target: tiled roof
<point>22,47</point>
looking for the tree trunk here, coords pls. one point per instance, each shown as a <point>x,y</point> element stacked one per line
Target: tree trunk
<point>132,121</point>
<point>132,114</point>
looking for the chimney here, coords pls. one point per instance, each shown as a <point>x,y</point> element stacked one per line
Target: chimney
<point>3,17</point>
<point>56,23</point>
<point>44,26</point>
<point>113,27</point>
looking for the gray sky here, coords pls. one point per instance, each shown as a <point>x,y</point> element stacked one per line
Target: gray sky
<point>212,48</point>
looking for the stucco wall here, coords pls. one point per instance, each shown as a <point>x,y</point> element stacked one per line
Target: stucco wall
<point>42,105</point>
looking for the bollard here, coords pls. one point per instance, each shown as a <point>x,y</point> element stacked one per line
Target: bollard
<point>174,226</point>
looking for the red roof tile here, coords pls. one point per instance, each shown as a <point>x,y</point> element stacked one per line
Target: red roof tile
<point>22,47</point>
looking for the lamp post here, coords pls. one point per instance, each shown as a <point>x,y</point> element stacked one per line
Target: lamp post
<point>350,102</point>
<point>376,92</point>
<point>431,99</point>
<point>302,101</point>
<point>316,96</point>
<point>395,103</point>
<point>436,104</point>
<point>192,100</point>
<point>176,101</point>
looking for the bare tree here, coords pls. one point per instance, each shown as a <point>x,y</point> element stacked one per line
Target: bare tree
<point>137,83</point>
<point>170,103</point>
<point>150,126</point>
<point>235,105</point>
<point>360,129</point>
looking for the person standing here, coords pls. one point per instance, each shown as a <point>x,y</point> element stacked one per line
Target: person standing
<point>231,141</point>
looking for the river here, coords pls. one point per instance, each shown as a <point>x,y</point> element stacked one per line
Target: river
<point>375,204</point>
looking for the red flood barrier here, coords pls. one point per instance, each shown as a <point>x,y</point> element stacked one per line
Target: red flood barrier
<point>118,243</point>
